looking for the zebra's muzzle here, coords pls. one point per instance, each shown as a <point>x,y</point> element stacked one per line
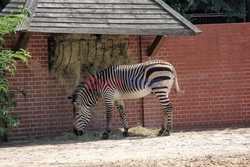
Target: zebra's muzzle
<point>78,132</point>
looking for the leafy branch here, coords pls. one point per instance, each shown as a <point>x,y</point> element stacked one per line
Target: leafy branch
<point>8,63</point>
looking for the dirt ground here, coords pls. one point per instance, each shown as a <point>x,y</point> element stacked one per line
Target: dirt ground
<point>227,147</point>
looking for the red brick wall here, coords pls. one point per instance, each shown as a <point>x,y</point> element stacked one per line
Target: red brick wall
<point>213,69</point>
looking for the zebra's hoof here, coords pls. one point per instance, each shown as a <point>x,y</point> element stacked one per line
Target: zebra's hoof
<point>159,133</point>
<point>164,133</point>
<point>105,135</point>
<point>125,134</point>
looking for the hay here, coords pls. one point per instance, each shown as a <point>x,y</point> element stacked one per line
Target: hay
<point>77,55</point>
<point>116,134</point>
<point>143,132</point>
<point>135,132</point>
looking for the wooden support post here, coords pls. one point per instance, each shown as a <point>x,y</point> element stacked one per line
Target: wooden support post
<point>156,45</point>
<point>22,41</point>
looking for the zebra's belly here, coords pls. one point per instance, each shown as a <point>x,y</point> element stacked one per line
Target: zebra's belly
<point>119,96</point>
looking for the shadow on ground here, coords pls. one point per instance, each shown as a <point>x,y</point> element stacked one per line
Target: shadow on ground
<point>67,138</point>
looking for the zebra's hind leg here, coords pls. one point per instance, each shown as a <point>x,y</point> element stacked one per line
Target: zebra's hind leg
<point>167,109</point>
<point>120,107</point>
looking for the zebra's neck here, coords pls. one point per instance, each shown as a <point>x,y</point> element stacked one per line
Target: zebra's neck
<point>85,94</point>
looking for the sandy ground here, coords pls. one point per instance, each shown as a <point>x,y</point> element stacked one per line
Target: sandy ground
<point>228,147</point>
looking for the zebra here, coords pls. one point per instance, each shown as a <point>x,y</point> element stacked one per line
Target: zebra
<point>119,82</point>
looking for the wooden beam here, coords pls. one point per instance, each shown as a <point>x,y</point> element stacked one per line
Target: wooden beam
<point>22,40</point>
<point>156,45</point>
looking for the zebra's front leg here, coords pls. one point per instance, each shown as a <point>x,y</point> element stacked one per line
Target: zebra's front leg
<point>109,108</point>
<point>120,107</point>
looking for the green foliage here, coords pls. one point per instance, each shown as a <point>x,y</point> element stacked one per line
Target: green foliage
<point>231,10</point>
<point>8,63</point>
<point>182,6</point>
<point>8,23</point>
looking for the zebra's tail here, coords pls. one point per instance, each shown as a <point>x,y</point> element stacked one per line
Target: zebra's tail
<point>176,85</point>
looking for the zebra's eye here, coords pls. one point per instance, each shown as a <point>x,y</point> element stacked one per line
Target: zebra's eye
<point>77,105</point>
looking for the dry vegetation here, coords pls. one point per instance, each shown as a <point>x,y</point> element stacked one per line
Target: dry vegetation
<point>77,54</point>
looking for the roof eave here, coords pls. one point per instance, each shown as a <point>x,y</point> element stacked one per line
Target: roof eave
<point>31,5</point>
<point>168,32</point>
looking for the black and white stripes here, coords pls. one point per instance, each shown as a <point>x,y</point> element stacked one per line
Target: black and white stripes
<point>120,82</point>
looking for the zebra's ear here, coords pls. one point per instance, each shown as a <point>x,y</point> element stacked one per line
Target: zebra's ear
<point>70,97</point>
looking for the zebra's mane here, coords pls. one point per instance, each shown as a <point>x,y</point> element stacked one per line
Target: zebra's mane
<point>78,89</point>
<point>104,70</point>
<point>81,89</point>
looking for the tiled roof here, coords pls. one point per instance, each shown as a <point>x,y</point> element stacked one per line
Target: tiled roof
<point>142,17</point>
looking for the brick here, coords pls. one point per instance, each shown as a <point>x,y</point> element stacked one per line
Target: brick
<point>212,69</point>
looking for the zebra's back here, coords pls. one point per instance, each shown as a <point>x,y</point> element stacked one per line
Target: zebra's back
<point>139,80</point>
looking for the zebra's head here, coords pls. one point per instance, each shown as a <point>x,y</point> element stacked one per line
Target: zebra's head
<point>82,99</point>
<point>81,117</point>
